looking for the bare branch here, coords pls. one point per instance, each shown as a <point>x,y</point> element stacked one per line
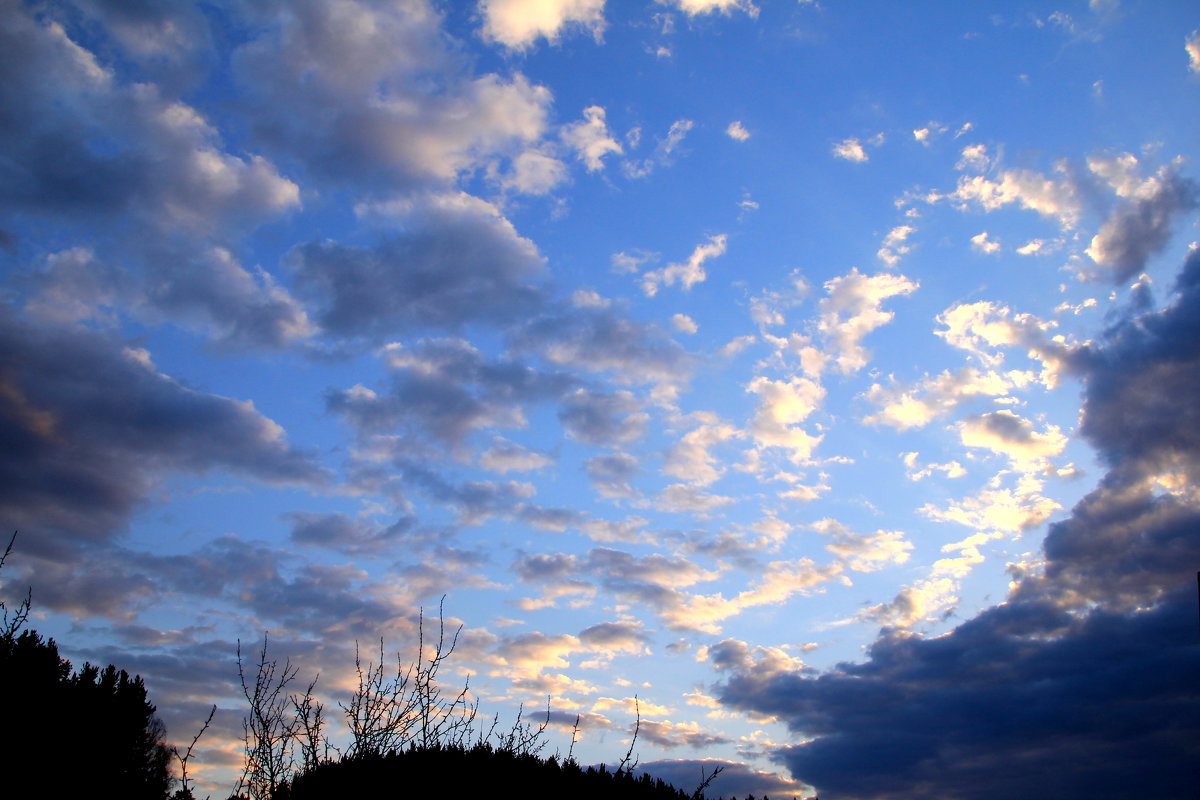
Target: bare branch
<point>636,729</point>
<point>704,782</point>
<point>183,759</point>
<point>10,627</point>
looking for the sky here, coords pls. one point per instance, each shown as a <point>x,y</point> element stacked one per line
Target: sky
<point>815,379</point>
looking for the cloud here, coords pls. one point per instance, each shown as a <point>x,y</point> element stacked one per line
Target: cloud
<point>783,405</point>
<point>737,131</point>
<point>1059,199</point>
<point>458,261</point>
<point>687,274</point>
<point>974,157</point>
<point>928,134</point>
<point>862,552</point>
<point>1141,224</point>
<point>853,309</point>
<point>850,150</point>
<point>736,779</point>
<point>690,498</point>
<point>372,94</point>
<point>694,7</point>
<point>984,245</point>
<point>590,139</point>
<point>1192,45</point>
<point>519,23</point>
<point>690,458</point>
<point>671,735</point>
<point>683,323</point>
<point>1009,435</point>
<point>505,456</point>
<point>92,427</point>
<point>599,338</point>
<point>602,418</point>
<point>662,151</point>
<point>997,509</point>
<point>914,406</point>
<point>156,205</point>
<point>442,390</point>
<point>1053,680</point>
<point>343,533</point>
<point>894,244</point>
<point>610,474</point>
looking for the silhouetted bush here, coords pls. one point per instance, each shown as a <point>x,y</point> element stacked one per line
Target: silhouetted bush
<point>481,771</point>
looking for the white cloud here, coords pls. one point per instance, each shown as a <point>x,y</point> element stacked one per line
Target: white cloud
<point>975,157</point>
<point>783,405</point>
<point>983,244</point>
<point>1192,45</point>
<point>894,244</point>
<point>687,274</point>
<point>864,553</point>
<point>675,134</point>
<point>631,262</point>
<point>591,139</point>
<point>689,458</point>
<point>737,131</point>
<point>1007,434</point>
<point>694,7</point>
<point>1059,199</point>
<point>853,309</point>
<point>534,172</point>
<point>684,324</point>
<point>904,407</point>
<point>519,23</point>
<point>929,133</point>
<point>851,150</point>
<point>999,510</point>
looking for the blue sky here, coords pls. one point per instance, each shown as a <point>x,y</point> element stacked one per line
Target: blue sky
<point>822,374</point>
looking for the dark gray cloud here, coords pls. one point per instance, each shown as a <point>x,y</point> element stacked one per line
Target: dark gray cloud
<point>444,389</point>
<point>458,261</point>
<point>91,426</point>
<point>1081,685</point>
<point>1141,225</point>
<point>345,533</point>
<point>603,418</point>
<point>601,338</point>
<point>138,179</point>
<point>610,474</point>
<point>615,636</point>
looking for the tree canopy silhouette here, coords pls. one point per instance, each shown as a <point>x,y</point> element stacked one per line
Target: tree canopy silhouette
<point>94,728</point>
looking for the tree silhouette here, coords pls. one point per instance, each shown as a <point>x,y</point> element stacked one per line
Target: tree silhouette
<point>93,731</point>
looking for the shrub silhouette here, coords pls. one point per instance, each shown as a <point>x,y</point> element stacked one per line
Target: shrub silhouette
<point>95,727</point>
<point>479,771</point>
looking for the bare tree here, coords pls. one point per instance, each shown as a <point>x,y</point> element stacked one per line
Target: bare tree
<point>309,716</point>
<point>10,626</point>
<point>393,710</point>
<point>268,730</point>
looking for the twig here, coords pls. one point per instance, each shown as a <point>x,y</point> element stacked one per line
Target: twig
<point>183,759</point>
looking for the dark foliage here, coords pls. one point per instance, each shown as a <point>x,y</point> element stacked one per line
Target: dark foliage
<point>95,725</point>
<point>479,771</point>
<point>65,732</point>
